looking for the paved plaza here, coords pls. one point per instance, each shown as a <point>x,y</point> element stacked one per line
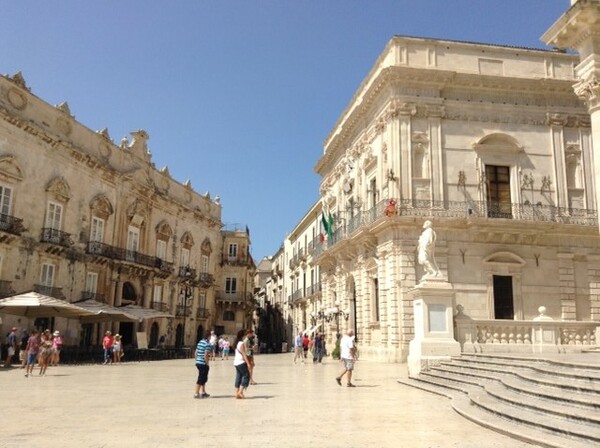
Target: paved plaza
<point>150,404</point>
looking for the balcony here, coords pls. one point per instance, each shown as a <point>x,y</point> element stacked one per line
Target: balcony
<point>202,313</point>
<point>49,291</point>
<point>87,295</point>
<point>56,237</point>
<point>458,209</point>
<point>11,225</point>
<point>160,306</point>
<point>231,297</point>
<point>6,289</point>
<point>163,267</point>
<point>181,311</point>
<point>206,280</point>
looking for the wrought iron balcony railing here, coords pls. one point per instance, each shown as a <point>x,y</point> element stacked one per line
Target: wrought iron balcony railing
<point>87,295</point>
<point>11,224</point>
<point>118,253</point>
<point>51,291</point>
<point>202,313</point>
<point>55,236</point>
<point>206,280</point>
<point>160,306</point>
<point>459,209</point>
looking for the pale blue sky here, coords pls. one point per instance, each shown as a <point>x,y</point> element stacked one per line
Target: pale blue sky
<point>237,96</point>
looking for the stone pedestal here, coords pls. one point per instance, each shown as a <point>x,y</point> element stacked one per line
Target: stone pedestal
<point>434,330</point>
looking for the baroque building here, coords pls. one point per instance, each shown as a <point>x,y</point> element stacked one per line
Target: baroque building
<point>492,145</point>
<point>85,218</point>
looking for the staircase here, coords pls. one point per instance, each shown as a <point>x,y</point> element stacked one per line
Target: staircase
<point>546,402</point>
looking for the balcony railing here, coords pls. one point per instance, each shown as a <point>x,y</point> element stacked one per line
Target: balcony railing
<point>118,253</point>
<point>55,236</point>
<point>11,224</point>
<point>51,291</point>
<point>236,297</point>
<point>160,306</point>
<point>206,280</point>
<point>202,313</point>
<point>6,289</point>
<point>525,336</point>
<point>87,295</point>
<point>459,209</point>
<point>182,310</point>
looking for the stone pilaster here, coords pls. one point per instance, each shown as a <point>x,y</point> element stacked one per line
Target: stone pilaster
<point>566,273</point>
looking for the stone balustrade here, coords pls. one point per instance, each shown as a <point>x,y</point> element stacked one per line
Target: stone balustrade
<point>542,334</point>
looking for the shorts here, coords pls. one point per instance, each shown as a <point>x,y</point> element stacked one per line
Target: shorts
<point>202,374</point>
<point>348,363</point>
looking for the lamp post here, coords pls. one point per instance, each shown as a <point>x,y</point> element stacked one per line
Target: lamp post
<point>185,295</point>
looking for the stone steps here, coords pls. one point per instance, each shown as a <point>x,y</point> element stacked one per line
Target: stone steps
<point>549,403</point>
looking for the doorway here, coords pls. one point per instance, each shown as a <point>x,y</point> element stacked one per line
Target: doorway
<point>503,297</point>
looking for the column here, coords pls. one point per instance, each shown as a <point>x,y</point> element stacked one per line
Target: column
<point>578,29</point>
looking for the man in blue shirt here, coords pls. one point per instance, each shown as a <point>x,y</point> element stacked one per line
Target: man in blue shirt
<point>203,354</point>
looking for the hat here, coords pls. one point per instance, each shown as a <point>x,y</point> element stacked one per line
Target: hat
<point>56,333</point>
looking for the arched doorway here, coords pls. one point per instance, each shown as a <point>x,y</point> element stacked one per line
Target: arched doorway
<point>153,336</point>
<point>179,336</point>
<point>126,329</point>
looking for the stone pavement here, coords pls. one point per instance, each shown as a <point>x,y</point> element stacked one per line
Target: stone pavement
<point>150,404</point>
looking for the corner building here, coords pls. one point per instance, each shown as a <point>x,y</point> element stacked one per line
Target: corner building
<point>492,145</point>
<point>85,218</point>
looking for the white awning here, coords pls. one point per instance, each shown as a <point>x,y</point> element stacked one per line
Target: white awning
<point>144,313</point>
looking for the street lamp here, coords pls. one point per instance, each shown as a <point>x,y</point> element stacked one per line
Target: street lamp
<point>334,313</point>
<point>185,294</point>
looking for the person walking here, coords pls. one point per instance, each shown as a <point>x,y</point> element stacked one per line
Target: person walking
<point>57,343</point>
<point>298,348</point>
<point>11,341</point>
<point>107,345</point>
<point>204,351</point>
<point>33,345</point>
<point>241,364</point>
<point>347,358</point>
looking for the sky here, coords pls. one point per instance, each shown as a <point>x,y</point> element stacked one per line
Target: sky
<point>237,96</point>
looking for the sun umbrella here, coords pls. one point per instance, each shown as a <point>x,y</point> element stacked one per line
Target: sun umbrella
<point>104,312</point>
<point>33,304</point>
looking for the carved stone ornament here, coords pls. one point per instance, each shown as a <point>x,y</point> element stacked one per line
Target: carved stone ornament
<point>59,188</point>
<point>16,99</point>
<point>589,91</point>
<point>9,168</point>
<point>101,207</point>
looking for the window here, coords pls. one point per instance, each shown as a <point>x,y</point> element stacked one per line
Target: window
<point>202,301</point>
<point>228,315</point>
<point>204,264</point>
<point>53,216</point>
<point>161,249</point>
<point>47,274</point>
<point>133,238</point>
<point>97,229</point>
<point>233,249</point>
<point>5,195</point>
<point>498,191</point>
<point>157,296</point>
<point>91,282</point>
<point>230,285</point>
<point>185,257</point>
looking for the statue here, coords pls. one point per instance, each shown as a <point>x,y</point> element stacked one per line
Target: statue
<point>426,249</point>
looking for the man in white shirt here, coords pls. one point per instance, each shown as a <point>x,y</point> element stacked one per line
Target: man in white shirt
<point>348,356</point>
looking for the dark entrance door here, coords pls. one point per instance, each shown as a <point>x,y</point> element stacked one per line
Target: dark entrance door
<point>503,297</point>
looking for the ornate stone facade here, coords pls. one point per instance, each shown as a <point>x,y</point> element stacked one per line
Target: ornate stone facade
<point>492,145</point>
<point>83,217</point>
